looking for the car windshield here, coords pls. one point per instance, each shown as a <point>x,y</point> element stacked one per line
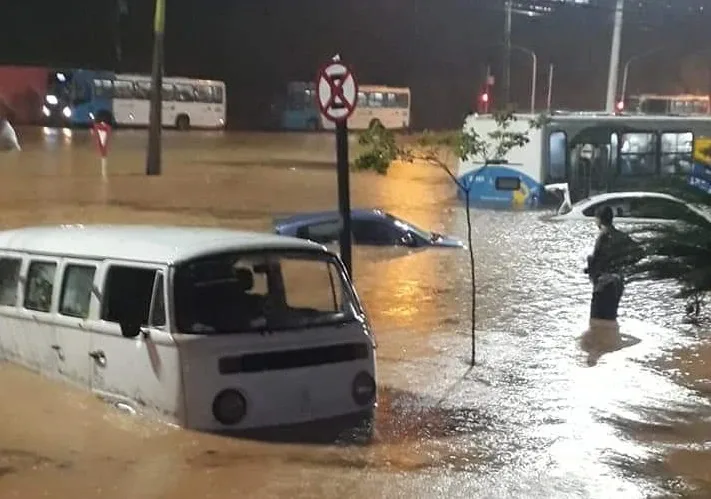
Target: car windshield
<point>424,234</point>
<point>261,291</point>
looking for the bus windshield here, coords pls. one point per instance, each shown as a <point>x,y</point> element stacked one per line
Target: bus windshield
<point>261,291</point>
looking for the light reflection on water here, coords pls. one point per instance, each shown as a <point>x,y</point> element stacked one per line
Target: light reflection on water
<point>531,419</point>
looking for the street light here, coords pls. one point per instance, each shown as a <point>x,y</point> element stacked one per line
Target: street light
<point>153,160</point>
<point>626,70</point>
<point>534,73</point>
<point>614,57</point>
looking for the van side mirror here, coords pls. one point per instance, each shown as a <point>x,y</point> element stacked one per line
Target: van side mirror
<point>130,329</point>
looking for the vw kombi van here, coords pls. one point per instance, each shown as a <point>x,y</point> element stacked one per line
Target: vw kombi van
<point>209,329</point>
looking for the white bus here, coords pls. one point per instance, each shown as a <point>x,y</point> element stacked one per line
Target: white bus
<point>208,329</point>
<point>187,102</point>
<point>376,103</point>
<point>680,104</point>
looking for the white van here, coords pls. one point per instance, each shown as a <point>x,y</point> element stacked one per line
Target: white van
<point>208,329</point>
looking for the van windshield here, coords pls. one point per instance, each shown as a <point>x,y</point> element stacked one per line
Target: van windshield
<point>261,291</point>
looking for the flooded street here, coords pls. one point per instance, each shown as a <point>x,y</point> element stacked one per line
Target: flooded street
<point>540,415</point>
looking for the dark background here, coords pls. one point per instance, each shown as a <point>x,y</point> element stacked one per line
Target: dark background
<point>439,48</point>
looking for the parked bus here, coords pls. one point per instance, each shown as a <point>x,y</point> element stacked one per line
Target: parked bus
<point>593,153</point>
<point>683,104</point>
<point>376,103</point>
<point>208,329</point>
<point>78,97</point>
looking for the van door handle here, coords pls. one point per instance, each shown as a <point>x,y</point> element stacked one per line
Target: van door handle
<point>99,357</point>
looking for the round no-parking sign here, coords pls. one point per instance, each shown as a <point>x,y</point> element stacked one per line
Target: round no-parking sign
<point>336,91</point>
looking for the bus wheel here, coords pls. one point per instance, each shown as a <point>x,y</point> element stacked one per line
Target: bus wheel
<point>182,122</point>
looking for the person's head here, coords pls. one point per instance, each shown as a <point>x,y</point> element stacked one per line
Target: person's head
<point>604,217</point>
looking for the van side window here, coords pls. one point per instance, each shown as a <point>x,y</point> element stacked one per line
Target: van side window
<point>76,290</point>
<point>158,303</point>
<point>127,294</point>
<point>9,279</point>
<point>40,284</point>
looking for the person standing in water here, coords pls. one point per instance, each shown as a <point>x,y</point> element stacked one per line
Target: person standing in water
<point>612,248</point>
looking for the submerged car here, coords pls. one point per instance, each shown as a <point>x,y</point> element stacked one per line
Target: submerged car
<point>370,227</point>
<point>632,207</point>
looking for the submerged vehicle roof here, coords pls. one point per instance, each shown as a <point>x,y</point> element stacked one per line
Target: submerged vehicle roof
<point>142,243</point>
<point>317,216</point>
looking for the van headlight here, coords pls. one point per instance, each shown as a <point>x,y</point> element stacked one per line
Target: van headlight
<point>363,388</point>
<point>51,100</point>
<point>67,112</point>
<point>45,111</point>
<point>229,407</point>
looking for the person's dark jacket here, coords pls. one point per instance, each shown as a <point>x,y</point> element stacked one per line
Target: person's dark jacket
<point>613,250</point>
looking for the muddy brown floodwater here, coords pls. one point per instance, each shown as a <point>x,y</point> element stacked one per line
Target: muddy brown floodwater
<point>541,415</point>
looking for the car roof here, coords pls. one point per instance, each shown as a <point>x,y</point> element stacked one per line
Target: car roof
<point>142,243</point>
<point>612,196</point>
<point>320,216</point>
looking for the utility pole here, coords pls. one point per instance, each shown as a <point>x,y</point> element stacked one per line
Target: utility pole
<point>507,54</point>
<point>153,159</point>
<point>614,58</point>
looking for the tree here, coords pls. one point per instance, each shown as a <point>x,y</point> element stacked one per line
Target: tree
<point>436,149</point>
<point>680,253</point>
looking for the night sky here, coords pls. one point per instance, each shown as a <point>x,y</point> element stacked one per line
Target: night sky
<point>439,48</point>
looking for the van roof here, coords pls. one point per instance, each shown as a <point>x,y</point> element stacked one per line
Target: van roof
<point>141,243</point>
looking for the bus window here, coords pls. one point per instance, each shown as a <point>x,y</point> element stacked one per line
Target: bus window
<point>295,99</point>
<point>168,92</point>
<point>102,89</point>
<point>362,99</point>
<point>677,148</point>
<point>557,155</point>
<point>375,99</point>
<point>390,100</point>
<point>143,90</point>
<point>203,93</point>
<point>403,100</point>
<point>217,97</point>
<point>184,93</point>
<point>638,154</point>
<point>80,92</point>
<point>123,89</point>
<point>655,106</point>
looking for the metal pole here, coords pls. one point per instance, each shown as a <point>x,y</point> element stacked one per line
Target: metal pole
<point>344,196</point>
<point>614,57</point>
<point>549,99</point>
<point>507,53</point>
<point>625,73</point>
<point>153,158</point>
<point>534,76</point>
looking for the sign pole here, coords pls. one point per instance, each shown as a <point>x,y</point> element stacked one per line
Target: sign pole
<point>337,96</point>
<point>344,195</point>
<point>102,135</point>
<point>153,158</point>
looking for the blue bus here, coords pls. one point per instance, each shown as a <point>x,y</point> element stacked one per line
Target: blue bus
<point>71,100</point>
<point>79,97</point>
<point>301,111</point>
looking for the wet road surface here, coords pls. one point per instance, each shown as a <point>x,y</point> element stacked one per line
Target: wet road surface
<point>543,414</point>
